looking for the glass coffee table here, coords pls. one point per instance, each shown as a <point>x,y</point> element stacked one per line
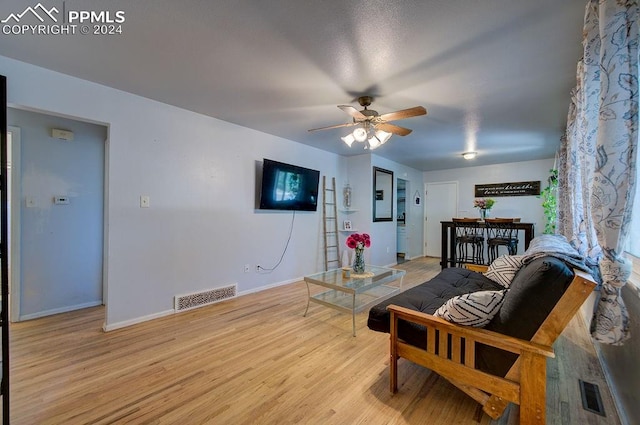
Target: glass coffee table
<point>354,293</point>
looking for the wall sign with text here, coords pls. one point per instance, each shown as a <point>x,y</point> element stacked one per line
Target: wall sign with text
<point>508,189</point>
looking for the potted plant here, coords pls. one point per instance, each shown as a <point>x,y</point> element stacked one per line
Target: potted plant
<point>549,196</point>
<point>484,204</point>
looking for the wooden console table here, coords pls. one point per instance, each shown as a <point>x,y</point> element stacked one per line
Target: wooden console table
<point>448,248</point>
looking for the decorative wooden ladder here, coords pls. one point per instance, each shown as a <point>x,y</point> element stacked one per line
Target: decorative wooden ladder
<point>330,225</point>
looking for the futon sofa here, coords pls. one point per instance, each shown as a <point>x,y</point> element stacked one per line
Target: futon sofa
<point>532,294</point>
<point>538,295</point>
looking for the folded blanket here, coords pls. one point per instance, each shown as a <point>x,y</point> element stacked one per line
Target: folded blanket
<point>555,246</point>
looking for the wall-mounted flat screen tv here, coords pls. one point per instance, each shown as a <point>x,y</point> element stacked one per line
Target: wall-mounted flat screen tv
<point>288,187</point>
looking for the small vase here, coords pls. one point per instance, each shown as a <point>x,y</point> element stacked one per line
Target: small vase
<point>484,213</point>
<point>358,261</point>
<point>346,196</point>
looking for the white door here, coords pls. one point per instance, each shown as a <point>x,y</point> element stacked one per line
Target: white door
<point>441,204</point>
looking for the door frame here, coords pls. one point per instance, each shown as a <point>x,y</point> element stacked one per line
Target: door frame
<point>15,213</point>
<point>4,250</point>
<point>426,203</point>
<point>407,184</point>
<point>16,207</point>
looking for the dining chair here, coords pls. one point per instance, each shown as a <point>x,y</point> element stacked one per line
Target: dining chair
<point>469,241</point>
<point>500,232</point>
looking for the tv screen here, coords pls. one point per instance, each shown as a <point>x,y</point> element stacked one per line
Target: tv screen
<point>288,187</point>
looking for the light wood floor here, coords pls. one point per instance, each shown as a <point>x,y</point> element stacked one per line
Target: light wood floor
<point>253,360</point>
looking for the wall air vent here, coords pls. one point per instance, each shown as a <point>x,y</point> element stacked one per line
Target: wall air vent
<point>200,299</point>
<point>591,399</point>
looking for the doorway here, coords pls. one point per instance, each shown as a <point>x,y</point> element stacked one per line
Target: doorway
<point>402,250</point>
<point>441,204</point>
<point>58,214</point>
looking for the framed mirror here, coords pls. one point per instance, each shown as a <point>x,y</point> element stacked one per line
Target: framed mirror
<point>382,194</point>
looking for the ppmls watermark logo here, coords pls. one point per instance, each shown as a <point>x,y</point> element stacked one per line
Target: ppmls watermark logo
<point>40,20</point>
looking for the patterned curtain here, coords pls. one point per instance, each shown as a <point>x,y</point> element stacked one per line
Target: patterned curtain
<point>598,156</point>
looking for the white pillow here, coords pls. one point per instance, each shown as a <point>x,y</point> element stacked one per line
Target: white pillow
<point>504,268</point>
<point>474,309</point>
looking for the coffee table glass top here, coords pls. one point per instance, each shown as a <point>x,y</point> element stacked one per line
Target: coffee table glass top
<point>355,283</point>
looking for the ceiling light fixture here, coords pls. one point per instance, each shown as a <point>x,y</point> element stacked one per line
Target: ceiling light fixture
<point>469,155</point>
<point>348,139</point>
<point>360,134</point>
<point>366,121</point>
<point>378,139</point>
<point>375,138</point>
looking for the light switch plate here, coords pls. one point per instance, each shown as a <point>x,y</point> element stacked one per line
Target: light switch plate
<point>61,200</point>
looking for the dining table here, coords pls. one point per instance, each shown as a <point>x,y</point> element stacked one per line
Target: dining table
<point>448,247</point>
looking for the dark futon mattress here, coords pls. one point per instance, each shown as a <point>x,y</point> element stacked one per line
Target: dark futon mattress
<point>427,298</point>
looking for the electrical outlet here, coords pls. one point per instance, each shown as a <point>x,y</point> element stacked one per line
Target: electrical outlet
<point>247,268</point>
<point>388,250</point>
<point>145,201</point>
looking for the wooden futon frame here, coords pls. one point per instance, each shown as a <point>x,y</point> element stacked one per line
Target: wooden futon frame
<point>451,354</point>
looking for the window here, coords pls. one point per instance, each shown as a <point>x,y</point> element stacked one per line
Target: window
<point>633,246</point>
<point>633,242</point>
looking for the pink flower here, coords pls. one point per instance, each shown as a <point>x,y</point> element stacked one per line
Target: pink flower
<point>358,241</point>
<point>483,203</point>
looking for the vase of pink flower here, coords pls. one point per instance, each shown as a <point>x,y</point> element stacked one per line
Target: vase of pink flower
<point>484,205</point>
<point>358,242</point>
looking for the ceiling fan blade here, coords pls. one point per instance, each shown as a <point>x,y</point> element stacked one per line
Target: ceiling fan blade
<point>405,113</point>
<point>349,124</point>
<point>395,129</point>
<point>353,112</point>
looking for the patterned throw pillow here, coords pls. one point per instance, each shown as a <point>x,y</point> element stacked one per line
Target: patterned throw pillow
<point>504,268</point>
<point>474,309</point>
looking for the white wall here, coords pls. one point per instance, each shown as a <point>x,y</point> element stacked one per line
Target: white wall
<point>359,176</point>
<point>528,208</point>
<point>61,256</point>
<point>384,233</point>
<point>200,175</point>
<point>387,230</point>
<point>620,362</point>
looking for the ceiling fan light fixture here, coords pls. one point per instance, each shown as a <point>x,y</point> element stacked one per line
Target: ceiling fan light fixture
<point>383,136</point>
<point>367,120</point>
<point>360,134</point>
<point>469,155</point>
<point>348,139</point>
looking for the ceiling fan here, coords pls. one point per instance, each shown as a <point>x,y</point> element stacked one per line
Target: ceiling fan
<point>369,120</point>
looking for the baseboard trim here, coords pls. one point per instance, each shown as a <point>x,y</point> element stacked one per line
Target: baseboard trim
<point>273,285</point>
<point>135,321</point>
<point>58,310</point>
<point>118,325</point>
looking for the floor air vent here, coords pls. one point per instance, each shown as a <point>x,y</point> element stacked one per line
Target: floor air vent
<point>591,399</point>
<point>199,299</point>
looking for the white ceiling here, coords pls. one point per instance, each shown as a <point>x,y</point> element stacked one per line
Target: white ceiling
<point>494,75</point>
